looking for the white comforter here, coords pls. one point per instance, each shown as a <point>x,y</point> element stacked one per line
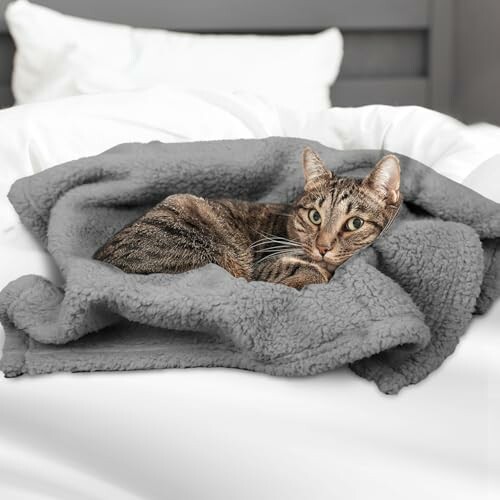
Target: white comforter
<point>224,434</point>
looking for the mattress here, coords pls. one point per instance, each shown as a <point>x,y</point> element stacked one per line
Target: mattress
<point>224,434</point>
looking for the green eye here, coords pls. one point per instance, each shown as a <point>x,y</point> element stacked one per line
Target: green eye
<point>354,223</point>
<point>314,216</point>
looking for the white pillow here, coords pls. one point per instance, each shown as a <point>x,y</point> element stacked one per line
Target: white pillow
<point>59,56</point>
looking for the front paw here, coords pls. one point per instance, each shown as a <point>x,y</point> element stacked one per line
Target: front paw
<point>326,270</point>
<point>309,274</point>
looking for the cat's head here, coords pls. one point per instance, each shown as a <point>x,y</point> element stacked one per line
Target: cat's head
<point>336,216</point>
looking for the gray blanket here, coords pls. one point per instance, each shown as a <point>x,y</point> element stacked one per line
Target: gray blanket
<point>393,312</point>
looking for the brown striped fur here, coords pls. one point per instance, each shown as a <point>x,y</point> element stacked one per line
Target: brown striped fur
<point>268,242</point>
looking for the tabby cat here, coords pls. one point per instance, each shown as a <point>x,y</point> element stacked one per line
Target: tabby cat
<point>296,245</point>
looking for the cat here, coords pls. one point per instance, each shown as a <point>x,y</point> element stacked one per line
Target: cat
<point>295,244</point>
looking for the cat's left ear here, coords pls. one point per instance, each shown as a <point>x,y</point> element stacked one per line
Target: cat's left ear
<point>315,172</point>
<point>385,179</point>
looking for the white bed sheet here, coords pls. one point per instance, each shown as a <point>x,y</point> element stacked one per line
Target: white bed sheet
<point>225,434</point>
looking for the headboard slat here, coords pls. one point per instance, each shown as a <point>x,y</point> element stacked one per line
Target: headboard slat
<point>246,15</point>
<point>391,91</point>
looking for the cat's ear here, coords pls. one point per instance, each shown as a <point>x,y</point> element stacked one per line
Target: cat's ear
<point>315,172</point>
<point>385,179</point>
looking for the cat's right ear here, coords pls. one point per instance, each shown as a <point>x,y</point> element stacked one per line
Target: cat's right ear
<point>315,172</point>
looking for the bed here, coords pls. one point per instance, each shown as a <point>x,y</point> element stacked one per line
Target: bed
<point>220,433</point>
<point>397,52</point>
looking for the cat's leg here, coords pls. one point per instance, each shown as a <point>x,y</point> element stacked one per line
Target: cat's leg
<point>291,271</point>
<point>181,233</point>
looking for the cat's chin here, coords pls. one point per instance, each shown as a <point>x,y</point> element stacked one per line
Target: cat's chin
<point>330,267</point>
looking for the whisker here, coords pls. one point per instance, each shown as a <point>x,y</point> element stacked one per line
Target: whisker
<point>269,235</point>
<point>266,242</point>
<point>259,242</point>
<point>277,247</point>
<point>277,241</point>
<point>266,235</point>
<point>279,254</point>
<point>389,224</point>
<point>283,239</point>
<point>280,242</point>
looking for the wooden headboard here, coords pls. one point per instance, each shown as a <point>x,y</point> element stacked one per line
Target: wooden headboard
<point>396,51</point>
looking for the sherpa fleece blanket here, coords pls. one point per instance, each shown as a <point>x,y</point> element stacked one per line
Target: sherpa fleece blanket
<point>393,312</point>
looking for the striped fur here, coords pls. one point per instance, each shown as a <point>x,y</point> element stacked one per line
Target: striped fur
<point>268,242</point>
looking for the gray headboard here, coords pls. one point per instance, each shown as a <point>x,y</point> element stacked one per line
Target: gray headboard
<point>396,51</point>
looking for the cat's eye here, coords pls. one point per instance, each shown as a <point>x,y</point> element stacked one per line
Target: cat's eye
<point>314,216</point>
<point>354,223</point>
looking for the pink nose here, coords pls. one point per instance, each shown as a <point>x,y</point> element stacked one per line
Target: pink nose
<point>322,249</point>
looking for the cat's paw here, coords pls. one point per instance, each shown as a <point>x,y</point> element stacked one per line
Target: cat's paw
<point>309,273</point>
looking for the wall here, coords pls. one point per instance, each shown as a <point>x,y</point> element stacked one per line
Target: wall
<point>477,61</point>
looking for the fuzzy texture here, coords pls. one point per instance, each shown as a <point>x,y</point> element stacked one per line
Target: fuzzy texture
<point>295,244</point>
<point>394,311</point>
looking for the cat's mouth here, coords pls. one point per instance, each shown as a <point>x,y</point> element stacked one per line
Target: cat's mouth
<point>329,266</point>
<point>327,260</point>
<point>324,260</point>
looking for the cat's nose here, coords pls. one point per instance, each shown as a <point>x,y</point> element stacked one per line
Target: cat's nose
<point>322,249</point>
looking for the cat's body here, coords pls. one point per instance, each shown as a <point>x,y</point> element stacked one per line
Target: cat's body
<point>296,245</point>
<point>185,232</point>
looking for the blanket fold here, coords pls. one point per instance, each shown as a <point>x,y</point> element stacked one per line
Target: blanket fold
<point>394,312</point>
